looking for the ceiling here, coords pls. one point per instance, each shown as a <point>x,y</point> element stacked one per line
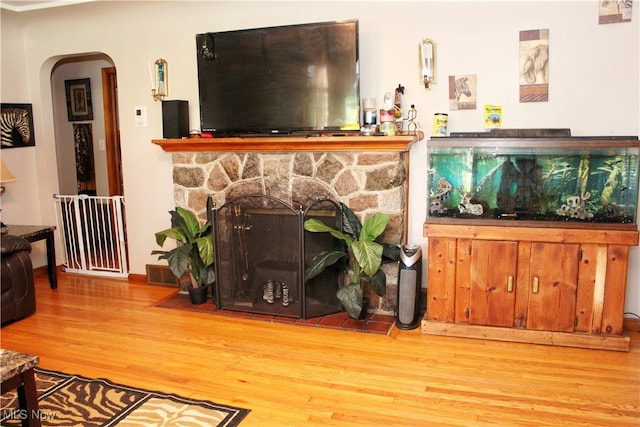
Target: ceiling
<point>24,5</point>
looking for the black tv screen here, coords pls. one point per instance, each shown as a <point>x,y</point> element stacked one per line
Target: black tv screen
<point>280,80</point>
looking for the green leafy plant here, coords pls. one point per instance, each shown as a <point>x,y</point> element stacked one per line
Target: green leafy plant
<point>194,253</point>
<point>363,254</point>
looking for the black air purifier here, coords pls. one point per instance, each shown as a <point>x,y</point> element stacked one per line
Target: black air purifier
<point>409,287</point>
<point>175,119</point>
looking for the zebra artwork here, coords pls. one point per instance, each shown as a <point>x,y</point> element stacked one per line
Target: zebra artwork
<point>16,125</point>
<point>462,87</point>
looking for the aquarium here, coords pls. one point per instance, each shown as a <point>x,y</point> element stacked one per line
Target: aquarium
<point>571,179</point>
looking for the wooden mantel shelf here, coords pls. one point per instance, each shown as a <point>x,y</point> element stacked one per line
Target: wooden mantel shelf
<point>398,143</point>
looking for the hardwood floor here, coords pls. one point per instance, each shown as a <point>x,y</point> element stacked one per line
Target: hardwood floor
<point>299,376</point>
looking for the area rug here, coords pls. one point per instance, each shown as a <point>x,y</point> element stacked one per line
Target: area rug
<point>373,323</point>
<point>73,400</point>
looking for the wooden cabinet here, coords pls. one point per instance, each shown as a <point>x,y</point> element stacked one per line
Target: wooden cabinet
<point>540,285</point>
<point>528,237</point>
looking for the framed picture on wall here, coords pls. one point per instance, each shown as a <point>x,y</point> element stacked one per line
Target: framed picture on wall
<point>78,99</point>
<point>534,65</point>
<point>614,11</point>
<point>462,92</point>
<point>17,125</point>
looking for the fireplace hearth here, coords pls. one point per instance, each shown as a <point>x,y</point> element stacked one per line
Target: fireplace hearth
<point>261,253</point>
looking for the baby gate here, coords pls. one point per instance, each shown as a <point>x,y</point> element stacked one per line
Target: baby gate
<point>92,234</point>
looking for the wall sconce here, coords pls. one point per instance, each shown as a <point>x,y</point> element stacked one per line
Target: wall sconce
<point>427,55</point>
<point>159,80</point>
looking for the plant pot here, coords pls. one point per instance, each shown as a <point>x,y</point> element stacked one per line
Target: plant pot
<point>198,295</point>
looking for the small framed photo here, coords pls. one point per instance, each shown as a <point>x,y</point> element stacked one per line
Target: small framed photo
<point>79,106</point>
<point>17,125</point>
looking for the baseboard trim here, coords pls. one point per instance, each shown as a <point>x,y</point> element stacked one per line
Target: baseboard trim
<point>631,324</point>
<point>137,278</point>
<point>134,278</point>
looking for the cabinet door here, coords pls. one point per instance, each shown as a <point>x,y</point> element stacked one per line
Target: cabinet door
<point>493,273</point>
<point>553,287</point>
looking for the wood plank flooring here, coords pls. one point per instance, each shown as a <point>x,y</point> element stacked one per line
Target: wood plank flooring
<point>298,376</point>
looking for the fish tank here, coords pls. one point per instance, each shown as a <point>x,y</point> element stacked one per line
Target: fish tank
<point>572,180</point>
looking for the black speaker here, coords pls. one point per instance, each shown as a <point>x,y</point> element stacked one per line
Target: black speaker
<point>175,119</point>
<point>409,287</point>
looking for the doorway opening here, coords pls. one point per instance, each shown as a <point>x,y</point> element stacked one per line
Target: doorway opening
<point>88,156</point>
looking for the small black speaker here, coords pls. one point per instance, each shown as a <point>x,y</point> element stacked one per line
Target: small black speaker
<point>175,119</point>
<point>409,287</point>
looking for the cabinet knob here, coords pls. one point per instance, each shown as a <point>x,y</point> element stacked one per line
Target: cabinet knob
<point>510,284</point>
<point>536,285</point>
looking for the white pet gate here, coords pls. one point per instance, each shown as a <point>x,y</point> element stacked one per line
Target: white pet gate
<point>92,234</point>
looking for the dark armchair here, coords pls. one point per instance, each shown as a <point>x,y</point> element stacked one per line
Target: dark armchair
<point>18,290</point>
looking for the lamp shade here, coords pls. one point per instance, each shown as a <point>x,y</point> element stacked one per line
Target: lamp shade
<point>5,173</point>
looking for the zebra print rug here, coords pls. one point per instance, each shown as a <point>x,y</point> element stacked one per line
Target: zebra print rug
<point>73,400</point>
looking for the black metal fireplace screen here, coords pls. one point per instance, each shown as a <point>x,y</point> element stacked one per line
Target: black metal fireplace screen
<point>261,253</point>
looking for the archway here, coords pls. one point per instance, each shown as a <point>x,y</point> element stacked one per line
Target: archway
<point>89,206</point>
<point>92,168</point>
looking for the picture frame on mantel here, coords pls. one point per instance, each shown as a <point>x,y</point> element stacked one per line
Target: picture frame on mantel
<point>79,107</point>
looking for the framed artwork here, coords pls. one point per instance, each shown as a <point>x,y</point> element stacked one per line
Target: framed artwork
<point>614,11</point>
<point>79,106</point>
<point>17,125</point>
<point>534,65</point>
<point>462,92</point>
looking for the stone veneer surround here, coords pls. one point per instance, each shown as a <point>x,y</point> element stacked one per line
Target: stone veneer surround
<point>366,182</point>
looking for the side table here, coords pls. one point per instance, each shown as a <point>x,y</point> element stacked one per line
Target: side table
<point>16,370</point>
<point>33,233</point>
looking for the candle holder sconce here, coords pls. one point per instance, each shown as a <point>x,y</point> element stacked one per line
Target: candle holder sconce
<point>427,58</point>
<point>160,88</point>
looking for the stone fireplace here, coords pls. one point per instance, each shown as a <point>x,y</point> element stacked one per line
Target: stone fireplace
<point>366,181</point>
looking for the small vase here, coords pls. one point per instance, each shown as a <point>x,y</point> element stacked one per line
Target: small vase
<point>198,295</point>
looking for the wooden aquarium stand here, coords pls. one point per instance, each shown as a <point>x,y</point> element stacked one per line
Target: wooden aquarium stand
<point>544,285</point>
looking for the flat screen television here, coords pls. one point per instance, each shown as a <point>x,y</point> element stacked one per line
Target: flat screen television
<point>280,80</point>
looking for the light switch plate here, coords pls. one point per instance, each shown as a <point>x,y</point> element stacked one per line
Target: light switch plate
<point>141,116</point>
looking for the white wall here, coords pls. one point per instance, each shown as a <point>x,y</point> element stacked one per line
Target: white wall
<point>594,87</point>
<point>21,199</point>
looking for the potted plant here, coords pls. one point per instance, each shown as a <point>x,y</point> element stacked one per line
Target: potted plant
<point>359,254</point>
<point>193,256</point>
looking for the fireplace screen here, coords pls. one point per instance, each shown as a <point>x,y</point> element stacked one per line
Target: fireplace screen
<point>261,253</point>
